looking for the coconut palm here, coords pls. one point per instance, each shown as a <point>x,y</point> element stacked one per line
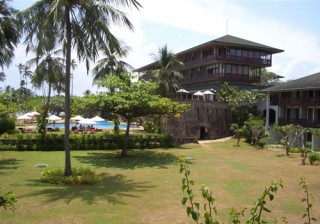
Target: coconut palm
<point>82,25</point>
<point>49,70</point>
<point>165,74</point>
<point>25,74</point>
<point>9,33</point>
<point>111,63</point>
<point>2,77</point>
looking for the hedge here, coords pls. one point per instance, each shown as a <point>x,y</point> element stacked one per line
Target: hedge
<point>54,142</point>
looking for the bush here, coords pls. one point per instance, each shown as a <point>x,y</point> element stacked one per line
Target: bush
<point>7,200</point>
<point>80,176</point>
<point>295,150</point>
<point>7,125</point>
<point>314,157</point>
<point>262,144</point>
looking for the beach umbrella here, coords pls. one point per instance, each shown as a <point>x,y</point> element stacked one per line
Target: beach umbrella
<point>199,93</point>
<point>182,91</point>
<point>208,92</point>
<point>32,114</point>
<point>87,121</point>
<point>97,119</point>
<point>54,118</point>
<point>24,117</point>
<point>77,118</point>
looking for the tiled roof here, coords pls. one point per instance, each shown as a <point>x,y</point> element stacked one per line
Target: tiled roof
<point>225,40</point>
<point>234,41</point>
<point>310,82</point>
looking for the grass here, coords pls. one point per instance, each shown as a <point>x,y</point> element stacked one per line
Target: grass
<point>146,187</point>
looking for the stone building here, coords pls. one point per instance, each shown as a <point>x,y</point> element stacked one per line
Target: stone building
<point>207,67</point>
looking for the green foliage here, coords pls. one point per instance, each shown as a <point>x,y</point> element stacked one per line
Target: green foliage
<point>241,102</point>
<point>193,207</point>
<point>152,125</point>
<point>237,132</point>
<point>80,176</point>
<point>7,125</point>
<point>314,157</point>
<point>307,198</point>
<point>254,130</point>
<point>7,200</point>
<point>55,142</point>
<point>260,204</point>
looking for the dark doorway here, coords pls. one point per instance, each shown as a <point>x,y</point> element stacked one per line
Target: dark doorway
<point>203,133</point>
<point>272,116</point>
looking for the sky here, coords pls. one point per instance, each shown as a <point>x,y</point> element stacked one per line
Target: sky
<point>290,25</point>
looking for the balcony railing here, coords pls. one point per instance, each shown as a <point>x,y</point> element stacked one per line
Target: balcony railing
<point>305,101</point>
<point>222,77</point>
<point>310,123</point>
<point>225,58</point>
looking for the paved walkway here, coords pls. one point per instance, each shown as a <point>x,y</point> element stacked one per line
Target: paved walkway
<point>215,140</point>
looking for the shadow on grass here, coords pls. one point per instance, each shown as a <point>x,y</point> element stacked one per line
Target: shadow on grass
<point>113,190</point>
<point>6,164</point>
<point>136,159</point>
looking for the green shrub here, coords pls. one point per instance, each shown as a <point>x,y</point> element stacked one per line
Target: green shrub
<point>262,144</point>
<point>79,176</point>
<point>314,157</point>
<point>7,125</point>
<point>295,150</point>
<point>7,200</point>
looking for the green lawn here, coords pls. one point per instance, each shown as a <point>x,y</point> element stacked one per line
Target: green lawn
<point>146,187</point>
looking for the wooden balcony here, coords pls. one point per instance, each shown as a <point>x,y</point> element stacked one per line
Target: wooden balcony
<point>225,58</point>
<point>305,101</point>
<point>310,123</point>
<point>222,78</point>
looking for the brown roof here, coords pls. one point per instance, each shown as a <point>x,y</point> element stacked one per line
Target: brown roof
<point>235,41</point>
<point>310,82</point>
<point>227,40</point>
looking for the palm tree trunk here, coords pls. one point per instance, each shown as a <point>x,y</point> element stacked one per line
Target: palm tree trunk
<point>67,169</point>
<point>126,140</point>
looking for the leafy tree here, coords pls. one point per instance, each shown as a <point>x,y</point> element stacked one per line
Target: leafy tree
<point>237,131</point>
<point>165,74</point>
<point>82,25</point>
<point>255,129</point>
<point>269,78</point>
<point>9,33</point>
<point>241,102</point>
<point>133,100</point>
<point>285,131</point>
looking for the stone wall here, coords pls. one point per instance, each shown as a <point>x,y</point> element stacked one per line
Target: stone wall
<point>203,120</point>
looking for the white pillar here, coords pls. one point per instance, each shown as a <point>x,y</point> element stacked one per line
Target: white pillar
<point>267,111</point>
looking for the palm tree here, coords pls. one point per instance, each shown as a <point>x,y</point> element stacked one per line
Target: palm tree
<point>25,73</point>
<point>2,77</point>
<point>50,69</point>
<point>110,64</point>
<point>165,74</point>
<point>82,25</point>
<point>9,33</point>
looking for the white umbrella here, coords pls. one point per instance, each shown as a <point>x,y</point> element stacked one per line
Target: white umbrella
<point>24,117</point>
<point>54,118</point>
<point>182,91</point>
<point>97,119</point>
<point>77,118</point>
<point>87,121</point>
<point>208,92</point>
<point>198,94</point>
<point>34,113</point>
